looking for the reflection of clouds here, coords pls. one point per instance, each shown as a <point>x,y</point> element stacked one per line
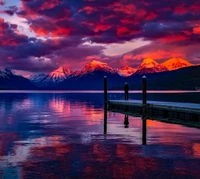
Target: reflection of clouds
<point>21,105</point>
<point>19,155</point>
<point>22,151</point>
<point>80,111</point>
<point>59,105</point>
<point>164,133</point>
<point>55,133</point>
<point>196,149</point>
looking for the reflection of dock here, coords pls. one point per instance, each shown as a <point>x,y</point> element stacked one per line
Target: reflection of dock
<point>184,113</point>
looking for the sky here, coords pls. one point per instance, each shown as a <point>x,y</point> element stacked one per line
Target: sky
<point>38,36</point>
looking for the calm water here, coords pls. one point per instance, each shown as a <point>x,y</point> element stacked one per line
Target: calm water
<point>61,136</point>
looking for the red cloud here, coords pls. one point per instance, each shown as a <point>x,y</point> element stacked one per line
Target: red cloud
<point>126,9</point>
<point>61,31</point>
<point>140,13</point>
<point>10,35</point>
<point>196,30</point>
<point>102,27</point>
<point>88,9</point>
<point>173,38</point>
<point>156,55</point>
<point>122,31</point>
<point>151,16</point>
<point>49,5</point>
<point>195,9</point>
<point>181,10</point>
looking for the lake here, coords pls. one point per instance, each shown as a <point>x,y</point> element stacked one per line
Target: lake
<point>61,135</point>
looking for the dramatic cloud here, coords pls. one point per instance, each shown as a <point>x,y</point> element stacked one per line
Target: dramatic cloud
<point>63,27</point>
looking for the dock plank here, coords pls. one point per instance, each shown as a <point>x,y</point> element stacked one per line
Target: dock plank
<point>164,104</point>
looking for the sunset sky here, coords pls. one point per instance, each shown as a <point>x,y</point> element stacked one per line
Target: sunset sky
<point>39,36</point>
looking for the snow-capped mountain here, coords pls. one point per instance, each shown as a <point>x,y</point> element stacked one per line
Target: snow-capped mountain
<point>37,78</point>
<point>176,63</point>
<point>97,66</point>
<point>126,71</point>
<point>150,66</point>
<point>6,73</point>
<point>9,80</point>
<point>57,76</point>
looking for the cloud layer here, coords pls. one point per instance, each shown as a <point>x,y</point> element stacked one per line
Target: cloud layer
<point>62,27</point>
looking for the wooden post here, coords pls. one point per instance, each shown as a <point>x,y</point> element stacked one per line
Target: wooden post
<point>144,94</point>
<point>105,92</point>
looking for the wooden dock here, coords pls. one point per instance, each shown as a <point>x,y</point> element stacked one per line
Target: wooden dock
<point>182,113</point>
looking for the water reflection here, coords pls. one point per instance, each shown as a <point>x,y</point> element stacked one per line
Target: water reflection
<point>105,120</point>
<point>144,131</point>
<point>63,136</point>
<point>126,122</point>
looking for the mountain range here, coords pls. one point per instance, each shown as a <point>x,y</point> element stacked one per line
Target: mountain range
<point>90,76</point>
<point>10,81</point>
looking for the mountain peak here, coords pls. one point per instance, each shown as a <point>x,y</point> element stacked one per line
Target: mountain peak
<point>150,66</point>
<point>58,75</point>
<point>61,72</point>
<point>96,65</point>
<point>176,63</point>
<point>149,62</point>
<point>6,73</point>
<point>126,71</point>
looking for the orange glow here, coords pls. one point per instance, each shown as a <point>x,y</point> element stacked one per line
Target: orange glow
<point>40,31</point>
<point>61,32</point>
<point>196,149</point>
<point>196,30</point>
<point>155,55</point>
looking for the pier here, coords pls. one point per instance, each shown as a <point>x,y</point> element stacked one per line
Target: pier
<point>171,112</point>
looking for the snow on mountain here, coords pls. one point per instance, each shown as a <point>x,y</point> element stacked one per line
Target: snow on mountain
<point>97,66</point>
<point>37,78</point>
<point>6,73</point>
<point>176,63</point>
<point>9,80</point>
<point>126,71</point>
<point>60,74</point>
<point>150,66</point>
<point>74,73</point>
<point>55,77</point>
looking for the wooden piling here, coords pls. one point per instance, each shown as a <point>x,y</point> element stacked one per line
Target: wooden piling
<point>105,92</point>
<point>144,95</point>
